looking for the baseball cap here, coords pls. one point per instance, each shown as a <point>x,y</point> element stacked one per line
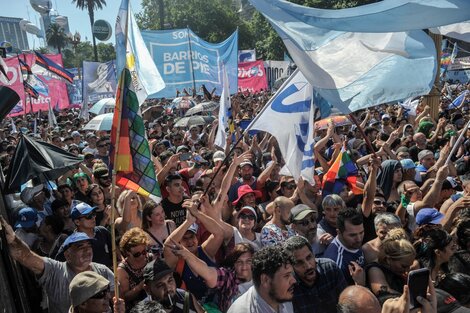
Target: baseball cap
<point>428,216</point>
<point>74,238</point>
<point>29,192</point>
<point>299,212</point>
<point>85,285</point>
<point>246,162</point>
<point>183,147</point>
<point>27,217</point>
<point>423,154</point>
<point>218,156</point>
<point>80,210</point>
<point>446,303</point>
<point>248,209</point>
<point>385,116</point>
<point>156,270</point>
<point>407,164</point>
<point>91,135</point>
<point>75,134</point>
<point>452,183</point>
<point>193,228</point>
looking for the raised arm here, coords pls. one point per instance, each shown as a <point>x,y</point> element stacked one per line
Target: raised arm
<point>176,236</point>
<point>370,186</point>
<point>20,250</point>
<point>172,162</point>
<point>431,198</point>
<point>267,171</point>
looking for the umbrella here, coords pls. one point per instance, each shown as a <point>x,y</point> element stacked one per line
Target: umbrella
<point>339,120</point>
<point>182,103</point>
<point>37,159</point>
<point>203,107</point>
<point>189,121</point>
<point>103,106</point>
<point>100,122</point>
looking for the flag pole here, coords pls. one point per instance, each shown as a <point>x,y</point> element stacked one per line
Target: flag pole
<point>117,110</point>
<point>368,143</point>
<point>457,143</point>
<point>191,61</point>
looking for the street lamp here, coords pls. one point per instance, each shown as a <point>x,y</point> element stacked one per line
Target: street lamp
<point>75,40</point>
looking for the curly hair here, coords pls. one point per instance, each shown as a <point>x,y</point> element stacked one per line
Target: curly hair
<point>132,238</point>
<point>267,261</point>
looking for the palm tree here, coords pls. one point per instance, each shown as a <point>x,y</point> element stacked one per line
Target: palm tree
<point>91,6</point>
<point>56,37</point>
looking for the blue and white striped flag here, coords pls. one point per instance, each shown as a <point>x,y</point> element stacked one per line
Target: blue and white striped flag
<point>353,71</point>
<point>225,112</point>
<point>458,101</point>
<point>288,116</point>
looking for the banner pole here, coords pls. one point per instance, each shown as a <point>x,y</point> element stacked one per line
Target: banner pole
<point>191,61</point>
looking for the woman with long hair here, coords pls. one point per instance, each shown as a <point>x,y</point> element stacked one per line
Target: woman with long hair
<point>156,226</point>
<point>81,182</point>
<point>434,248</point>
<point>389,179</point>
<point>95,195</point>
<point>130,272</point>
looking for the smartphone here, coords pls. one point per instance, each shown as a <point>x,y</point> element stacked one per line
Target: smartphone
<point>185,156</point>
<point>418,285</point>
<point>199,159</point>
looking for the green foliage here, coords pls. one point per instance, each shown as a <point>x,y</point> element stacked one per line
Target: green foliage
<point>91,6</point>
<point>56,37</point>
<point>215,20</point>
<point>84,52</point>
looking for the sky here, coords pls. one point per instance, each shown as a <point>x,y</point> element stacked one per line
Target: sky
<point>78,19</point>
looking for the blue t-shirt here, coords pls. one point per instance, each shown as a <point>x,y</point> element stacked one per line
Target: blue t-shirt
<point>343,256</point>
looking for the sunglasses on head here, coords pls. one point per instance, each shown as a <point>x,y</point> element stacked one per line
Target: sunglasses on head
<point>306,222</point>
<point>243,216</point>
<point>102,294</point>
<point>139,254</point>
<point>90,216</point>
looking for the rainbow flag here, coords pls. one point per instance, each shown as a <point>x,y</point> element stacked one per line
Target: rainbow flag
<point>343,171</point>
<point>132,163</point>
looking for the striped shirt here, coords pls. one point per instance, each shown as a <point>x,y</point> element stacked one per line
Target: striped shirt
<point>343,256</point>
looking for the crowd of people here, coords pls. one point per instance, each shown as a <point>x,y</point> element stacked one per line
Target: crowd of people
<point>251,238</point>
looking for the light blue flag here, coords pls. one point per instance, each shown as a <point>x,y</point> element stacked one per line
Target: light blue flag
<point>383,16</point>
<point>130,45</point>
<point>288,116</point>
<point>457,102</point>
<point>460,31</point>
<point>353,71</point>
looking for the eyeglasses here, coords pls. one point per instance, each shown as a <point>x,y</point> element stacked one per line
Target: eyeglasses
<point>379,202</point>
<point>243,216</point>
<point>139,254</point>
<point>102,294</point>
<point>90,216</point>
<point>306,222</point>
<point>290,186</point>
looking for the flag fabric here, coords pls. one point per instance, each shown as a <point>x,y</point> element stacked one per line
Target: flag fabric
<point>51,116</point>
<point>13,127</point>
<point>33,81</point>
<point>30,90</point>
<point>149,80</point>
<point>54,68</point>
<point>288,116</point>
<point>458,101</point>
<point>225,113</point>
<point>460,31</point>
<point>132,163</point>
<point>84,111</point>
<point>410,105</point>
<point>343,171</point>
<point>3,68</point>
<point>352,71</point>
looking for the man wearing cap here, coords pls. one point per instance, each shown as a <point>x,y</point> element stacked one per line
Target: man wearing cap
<point>218,158</point>
<point>102,147</point>
<point>25,226</point>
<point>54,276</point>
<point>77,139</point>
<point>91,293</point>
<point>84,218</point>
<point>160,285</point>
<point>102,178</point>
<point>34,197</point>
<point>277,230</point>
<point>91,147</point>
<point>319,281</point>
<point>409,169</point>
<point>426,161</point>
<point>304,221</point>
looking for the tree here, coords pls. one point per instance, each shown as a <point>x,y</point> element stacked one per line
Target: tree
<point>106,52</point>
<point>91,6</point>
<point>56,37</point>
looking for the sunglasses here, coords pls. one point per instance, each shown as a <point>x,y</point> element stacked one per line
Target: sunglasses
<point>90,216</point>
<point>306,222</point>
<point>102,294</point>
<point>290,186</point>
<point>243,216</point>
<point>139,254</point>
<point>102,146</point>
<point>379,202</point>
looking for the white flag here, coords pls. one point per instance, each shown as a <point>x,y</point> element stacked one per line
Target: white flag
<point>51,116</point>
<point>288,116</point>
<point>225,112</point>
